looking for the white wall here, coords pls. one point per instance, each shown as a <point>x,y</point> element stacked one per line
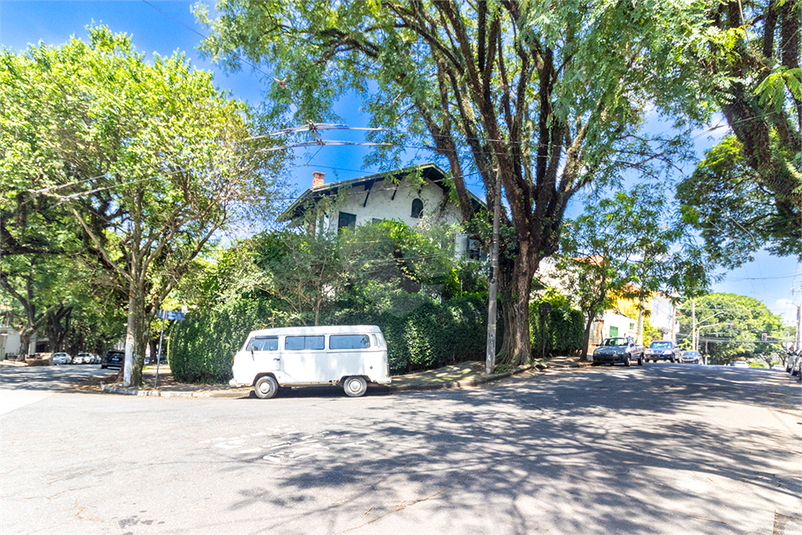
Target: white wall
<point>9,342</point>
<point>381,204</point>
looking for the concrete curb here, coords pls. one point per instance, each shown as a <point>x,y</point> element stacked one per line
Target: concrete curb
<point>460,384</point>
<point>118,389</point>
<point>476,381</point>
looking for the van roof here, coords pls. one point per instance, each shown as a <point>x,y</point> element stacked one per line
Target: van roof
<point>329,329</point>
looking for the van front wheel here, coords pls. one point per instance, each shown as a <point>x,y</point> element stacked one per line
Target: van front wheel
<point>265,387</point>
<point>355,386</point>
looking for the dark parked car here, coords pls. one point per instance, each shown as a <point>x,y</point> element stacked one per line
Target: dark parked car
<point>663,350</point>
<point>113,360</point>
<point>616,349</point>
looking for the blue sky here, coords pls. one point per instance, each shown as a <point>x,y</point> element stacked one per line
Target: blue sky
<point>165,27</point>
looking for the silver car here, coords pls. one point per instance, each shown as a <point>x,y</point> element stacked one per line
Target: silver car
<point>62,358</point>
<point>690,357</point>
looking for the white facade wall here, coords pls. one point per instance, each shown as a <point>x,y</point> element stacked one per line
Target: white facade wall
<point>9,342</point>
<point>386,200</point>
<point>614,324</point>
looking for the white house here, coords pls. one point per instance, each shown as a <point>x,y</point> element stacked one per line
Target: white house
<point>411,195</point>
<point>9,337</point>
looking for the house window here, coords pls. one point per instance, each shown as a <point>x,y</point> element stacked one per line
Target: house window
<point>631,326</point>
<point>346,221</point>
<point>474,249</point>
<point>613,331</point>
<point>417,208</point>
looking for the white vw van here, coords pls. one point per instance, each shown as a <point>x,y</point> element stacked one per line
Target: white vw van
<point>349,355</point>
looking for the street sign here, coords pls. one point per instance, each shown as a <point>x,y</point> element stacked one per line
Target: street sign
<point>170,315</point>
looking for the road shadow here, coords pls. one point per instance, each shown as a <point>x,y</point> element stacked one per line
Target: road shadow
<point>553,446</point>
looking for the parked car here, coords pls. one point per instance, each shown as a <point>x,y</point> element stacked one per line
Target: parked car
<point>62,358</point>
<point>690,357</point>
<point>618,349</point>
<point>84,358</point>
<point>796,366</point>
<point>113,360</point>
<point>663,350</point>
<point>740,364</point>
<point>791,361</point>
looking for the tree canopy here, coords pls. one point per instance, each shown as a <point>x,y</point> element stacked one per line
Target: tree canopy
<point>546,96</point>
<point>747,191</point>
<point>730,326</point>
<point>147,158</point>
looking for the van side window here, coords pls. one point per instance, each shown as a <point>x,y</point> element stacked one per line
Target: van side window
<point>297,343</point>
<point>263,344</point>
<point>349,341</point>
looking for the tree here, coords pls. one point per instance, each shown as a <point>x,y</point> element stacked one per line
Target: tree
<point>545,96</point>
<point>593,260</point>
<point>747,191</point>
<point>624,246</point>
<point>149,160</point>
<point>302,270</point>
<point>388,256</point>
<point>731,326</point>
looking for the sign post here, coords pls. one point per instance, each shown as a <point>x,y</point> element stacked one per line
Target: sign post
<point>165,315</point>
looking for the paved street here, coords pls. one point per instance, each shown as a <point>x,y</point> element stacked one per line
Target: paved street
<point>662,448</point>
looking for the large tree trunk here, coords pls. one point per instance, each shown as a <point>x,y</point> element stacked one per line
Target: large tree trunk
<point>515,287</point>
<point>135,337</point>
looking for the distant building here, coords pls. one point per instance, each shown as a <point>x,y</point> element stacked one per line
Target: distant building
<point>9,337</point>
<point>622,318</point>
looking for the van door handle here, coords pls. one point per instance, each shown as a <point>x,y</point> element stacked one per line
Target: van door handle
<point>276,358</point>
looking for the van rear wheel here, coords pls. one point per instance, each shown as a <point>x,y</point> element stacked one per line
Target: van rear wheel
<point>265,387</point>
<point>355,386</point>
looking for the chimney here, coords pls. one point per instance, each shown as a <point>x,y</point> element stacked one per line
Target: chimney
<point>317,179</point>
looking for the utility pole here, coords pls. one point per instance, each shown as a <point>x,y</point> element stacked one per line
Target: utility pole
<point>493,290</point>
<point>798,327</point>
<point>694,341</point>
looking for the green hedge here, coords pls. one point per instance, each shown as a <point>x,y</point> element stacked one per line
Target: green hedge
<point>202,347</point>
<point>433,335</point>
<point>563,327</point>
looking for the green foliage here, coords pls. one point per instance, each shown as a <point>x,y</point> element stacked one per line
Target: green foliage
<point>622,246</point>
<point>371,276</point>
<point>146,157</point>
<point>725,199</point>
<point>392,255</point>
<point>547,96</point>
<point>730,326</point>
<point>746,194</point>
<point>650,333</point>
<point>560,332</point>
<point>202,347</point>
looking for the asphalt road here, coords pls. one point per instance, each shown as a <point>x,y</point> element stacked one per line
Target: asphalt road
<point>661,448</point>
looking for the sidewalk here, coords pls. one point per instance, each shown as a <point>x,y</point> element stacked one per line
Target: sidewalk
<point>466,374</point>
